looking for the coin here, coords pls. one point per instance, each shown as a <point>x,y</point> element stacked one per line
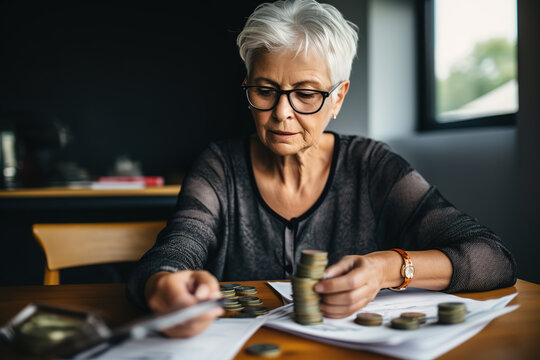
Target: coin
<point>308,320</point>
<point>250,300</point>
<point>313,275</point>
<point>316,254</point>
<point>233,305</point>
<point>451,319</point>
<point>305,303</point>
<point>264,349</point>
<point>405,324</point>
<point>307,311</point>
<point>458,311</point>
<point>298,281</point>
<point>258,310</point>
<point>312,272</point>
<point>451,306</point>
<point>315,262</point>
<point>246,293</point>
<point>306,297</point>
<point>229,295</point>
<point>228,286</point>
<point>230,301</point>
<point>420,317</point>
<point>253,302</point>
<point>452,312</point>
<point>246,290</point>
<point>368,319</point>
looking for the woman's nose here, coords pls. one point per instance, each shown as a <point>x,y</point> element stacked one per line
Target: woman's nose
<point>283,109</point>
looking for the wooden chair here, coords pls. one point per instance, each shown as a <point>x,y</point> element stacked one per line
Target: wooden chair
<point>69,245</point>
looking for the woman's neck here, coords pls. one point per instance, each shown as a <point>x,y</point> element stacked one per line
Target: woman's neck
<point>297,170</point>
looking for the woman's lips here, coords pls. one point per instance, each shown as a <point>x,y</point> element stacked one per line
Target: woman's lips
<point>282,133</point>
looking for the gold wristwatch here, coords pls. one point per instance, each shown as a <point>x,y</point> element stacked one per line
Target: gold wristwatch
<point>407,270</point>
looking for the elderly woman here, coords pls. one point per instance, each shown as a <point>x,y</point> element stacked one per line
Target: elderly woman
<point>247,209</point>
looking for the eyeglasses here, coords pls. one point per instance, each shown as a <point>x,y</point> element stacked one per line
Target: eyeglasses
<point>303,101</point>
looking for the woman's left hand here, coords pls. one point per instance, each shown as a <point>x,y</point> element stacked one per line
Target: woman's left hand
<point>351,284</point>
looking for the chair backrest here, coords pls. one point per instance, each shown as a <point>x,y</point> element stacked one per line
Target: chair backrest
<point>69,245</point>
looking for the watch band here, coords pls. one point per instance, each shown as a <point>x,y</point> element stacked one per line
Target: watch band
<point>407,263</point>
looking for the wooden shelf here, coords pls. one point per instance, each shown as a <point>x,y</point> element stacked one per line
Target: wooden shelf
<point>54,192</point>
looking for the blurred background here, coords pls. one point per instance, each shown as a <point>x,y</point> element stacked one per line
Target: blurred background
<point>88,88</point>
<point>99,81</point>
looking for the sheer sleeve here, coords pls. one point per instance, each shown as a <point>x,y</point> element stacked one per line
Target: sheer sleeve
<point>190,237</point>
<point>413,215</point>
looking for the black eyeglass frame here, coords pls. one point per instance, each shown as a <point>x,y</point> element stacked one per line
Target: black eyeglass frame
<point>325,94</point>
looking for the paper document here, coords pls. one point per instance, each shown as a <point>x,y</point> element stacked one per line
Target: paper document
<point>428,342</point>
<point>221,341</point>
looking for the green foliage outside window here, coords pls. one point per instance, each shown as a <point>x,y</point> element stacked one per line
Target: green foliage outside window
<point>491,64</point>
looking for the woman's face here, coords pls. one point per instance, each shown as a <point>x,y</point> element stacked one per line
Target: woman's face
<point>282,129</point>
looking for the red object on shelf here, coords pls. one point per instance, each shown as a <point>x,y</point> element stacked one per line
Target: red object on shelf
<point>146,180</point>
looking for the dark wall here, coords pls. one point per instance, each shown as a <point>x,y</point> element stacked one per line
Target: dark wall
<point>476,170</point>
<point>151,80</point>
<point>493,174</point>
<point>528,135</point>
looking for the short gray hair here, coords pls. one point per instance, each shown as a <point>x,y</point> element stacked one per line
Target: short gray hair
<point>301,25</point>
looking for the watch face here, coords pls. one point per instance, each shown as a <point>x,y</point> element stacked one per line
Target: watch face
<point>409,271</point>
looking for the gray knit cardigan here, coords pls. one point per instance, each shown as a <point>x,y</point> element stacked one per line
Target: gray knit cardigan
<point>373,200</point>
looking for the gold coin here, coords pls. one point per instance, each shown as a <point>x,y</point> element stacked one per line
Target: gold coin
<point>264,349</point>
<point>420,317</point>
<point>405,324</point>
<point>368,319</point>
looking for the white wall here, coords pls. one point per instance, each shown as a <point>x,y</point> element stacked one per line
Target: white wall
<point>391,69</point>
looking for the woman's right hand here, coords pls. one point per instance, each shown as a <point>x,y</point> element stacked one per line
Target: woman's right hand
<point>166,291</point>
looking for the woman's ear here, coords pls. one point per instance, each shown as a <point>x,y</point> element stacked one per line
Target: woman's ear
<point>340,96</point>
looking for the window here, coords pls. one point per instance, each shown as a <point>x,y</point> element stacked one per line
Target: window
<point>468,63</point>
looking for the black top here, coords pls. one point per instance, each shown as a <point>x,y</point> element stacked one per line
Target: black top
<point>373,200</point>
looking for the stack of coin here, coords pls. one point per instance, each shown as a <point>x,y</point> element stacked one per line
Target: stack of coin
<point>250,306</point>
<point>228,290</point>
<point>250,301</point>
<point>264,350</point>
<point>232,305</point>
<point>255,310</point>
<point>452,313</point>
<point>245,290</point>
<point>368,319</point>
<point>402,323</point>
<point>418,316</point>
<point>309,271</point>
<point>312,264</point>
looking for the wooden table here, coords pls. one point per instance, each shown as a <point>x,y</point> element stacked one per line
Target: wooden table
<point>512,336</point>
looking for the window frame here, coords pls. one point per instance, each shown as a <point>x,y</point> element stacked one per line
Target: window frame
<point>426,79</point>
